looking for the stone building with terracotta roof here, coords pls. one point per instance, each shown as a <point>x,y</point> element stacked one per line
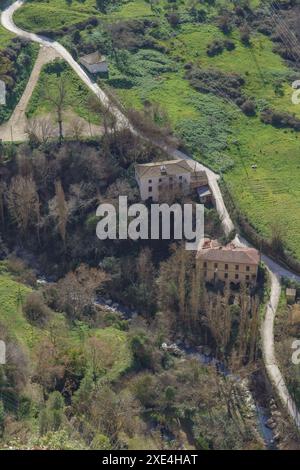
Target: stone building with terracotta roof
<point>229,263</point>
<point>180,176</point>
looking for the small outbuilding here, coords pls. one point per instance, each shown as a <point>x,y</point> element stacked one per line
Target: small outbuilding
<point>95,63</point>
<point>290,295</point>
<point>205,195</point>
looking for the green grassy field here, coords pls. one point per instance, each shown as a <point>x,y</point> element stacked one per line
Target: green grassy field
<point>12,294</point>
<point>5,37</point>
<point>55,14</point>
<point>52,15</point>
<point>117,341</point>
<point>37,15</point>
<point>269,195</point>
<point>258,64</point>
<point>77,100</point>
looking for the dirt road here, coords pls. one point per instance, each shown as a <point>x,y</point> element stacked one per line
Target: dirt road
<point>14,129</point>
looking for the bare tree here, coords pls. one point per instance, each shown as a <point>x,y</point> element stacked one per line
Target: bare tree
<point>254,329</point>
<point>58,98</point>
<point>58,208</point>
<point>3,189</point>
<point>218,318</point>
<point>196,296</point>
<point>76,127</point>
<point>23,202</point>
<point>40,130</point>
<point>244,322</point>
<point>77,289</point>
<point>100,356</point>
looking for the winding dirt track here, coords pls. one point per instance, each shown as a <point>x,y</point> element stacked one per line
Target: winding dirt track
<point>275,270</point>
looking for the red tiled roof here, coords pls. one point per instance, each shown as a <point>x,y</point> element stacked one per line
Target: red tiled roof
<point>171,168</point>
<point>229,254</point>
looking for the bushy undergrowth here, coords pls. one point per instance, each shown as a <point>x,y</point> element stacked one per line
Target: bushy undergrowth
<point>209,133</point>
<point>16,65</point>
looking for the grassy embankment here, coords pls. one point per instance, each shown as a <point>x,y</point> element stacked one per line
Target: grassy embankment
<point>12,296</point>
<point>5,38</point>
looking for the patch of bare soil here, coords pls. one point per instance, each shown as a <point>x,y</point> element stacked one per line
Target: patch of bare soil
<point>74,127</point>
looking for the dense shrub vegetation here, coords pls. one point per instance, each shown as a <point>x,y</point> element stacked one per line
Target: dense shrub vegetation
<point>16,62</point>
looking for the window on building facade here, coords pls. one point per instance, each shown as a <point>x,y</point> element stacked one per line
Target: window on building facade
<point>247,268</point>
<point>150,189</point>
<point>236,276</point>
<point>216,265</point>
<point>226,275</point>
<point>237,267</point>
<point>226,267</point>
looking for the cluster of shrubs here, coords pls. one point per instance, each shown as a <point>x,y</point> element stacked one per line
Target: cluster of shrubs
<point>8,59</point>
<point>129,35</point>
<point>36,310</point>
<point>80,26</point>
<point>217,47</point>
<point>212,80</point>
<point>280,119</point>
<point>264,23</point>
<point>15,64</point>
<point>226,85</point>
<point>287,53</point>
<point>133,35</point>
